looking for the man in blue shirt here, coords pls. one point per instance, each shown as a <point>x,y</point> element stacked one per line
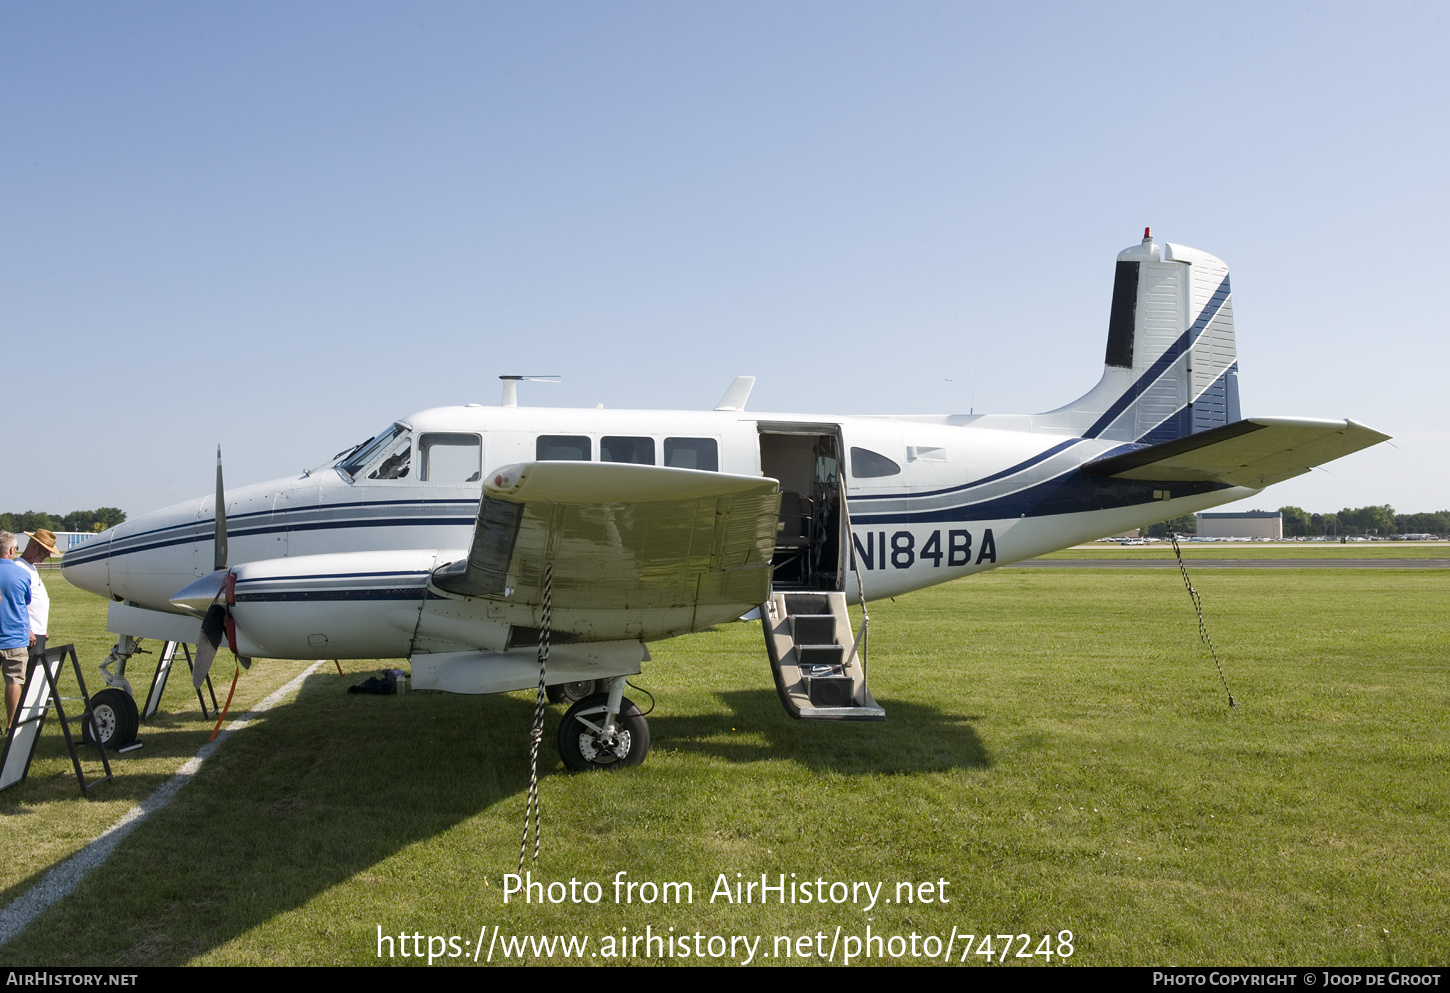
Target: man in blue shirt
<point>15,636</point>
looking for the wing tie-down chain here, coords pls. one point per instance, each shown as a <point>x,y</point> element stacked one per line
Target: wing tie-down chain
<point>858,650</point>
<point>1198,606</point>
<point>537,732</point>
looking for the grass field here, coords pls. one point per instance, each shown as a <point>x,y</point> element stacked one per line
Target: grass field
<point>1059,751</point>
<point>1314,551</point>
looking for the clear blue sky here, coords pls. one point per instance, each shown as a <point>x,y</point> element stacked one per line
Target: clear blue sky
<point>279,226</point>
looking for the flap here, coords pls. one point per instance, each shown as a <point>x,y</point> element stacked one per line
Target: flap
<point>620,537</point>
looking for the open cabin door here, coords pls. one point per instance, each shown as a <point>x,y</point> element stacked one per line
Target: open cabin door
<point>811,539</point>
<point>818,663</point>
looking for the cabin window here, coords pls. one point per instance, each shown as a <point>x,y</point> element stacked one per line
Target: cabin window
<point>450,458</point>
<point>636,451</point>
<point>563,448</point>
<point>866,464</point>
<point>692,453</point>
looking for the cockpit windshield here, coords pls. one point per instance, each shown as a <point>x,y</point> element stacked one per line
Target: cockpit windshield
<point>391,450</point>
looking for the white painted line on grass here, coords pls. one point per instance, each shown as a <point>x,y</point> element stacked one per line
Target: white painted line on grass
<point>61,881</point>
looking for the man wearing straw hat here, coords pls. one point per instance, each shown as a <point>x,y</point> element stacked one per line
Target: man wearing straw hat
<point>40,547</point>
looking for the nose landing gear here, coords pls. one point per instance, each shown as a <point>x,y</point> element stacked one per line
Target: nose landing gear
<point>116,719</point>
<point>603,731</point>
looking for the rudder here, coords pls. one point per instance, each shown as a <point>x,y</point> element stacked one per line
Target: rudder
<point>1171,367</point>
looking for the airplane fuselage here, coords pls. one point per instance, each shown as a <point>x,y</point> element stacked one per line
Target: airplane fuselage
<point>929,499</point>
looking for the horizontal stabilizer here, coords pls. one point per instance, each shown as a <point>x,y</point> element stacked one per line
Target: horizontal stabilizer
<point>1254,452</point>
<point>620,537</point>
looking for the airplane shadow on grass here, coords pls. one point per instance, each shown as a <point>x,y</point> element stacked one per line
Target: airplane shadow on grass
<point>913,738</point>
<point>319,791</point>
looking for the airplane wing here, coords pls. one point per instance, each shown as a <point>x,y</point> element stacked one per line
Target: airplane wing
<point>620,537</point>
<point>1253,452</point>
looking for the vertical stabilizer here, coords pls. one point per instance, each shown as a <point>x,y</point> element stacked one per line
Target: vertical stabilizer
<point>1171,368</point>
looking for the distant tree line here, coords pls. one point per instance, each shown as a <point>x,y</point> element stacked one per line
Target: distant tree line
<point>1187,524</point>
<point>1382,520</point>
<point>1300,523</point>
<point>77,520</point>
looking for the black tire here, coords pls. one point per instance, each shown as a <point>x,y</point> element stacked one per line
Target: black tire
<point>116,716</point>
<point>581,747</point>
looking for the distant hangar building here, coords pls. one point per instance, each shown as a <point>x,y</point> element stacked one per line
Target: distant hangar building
<point>64,540</point>
<point>1246,524</point>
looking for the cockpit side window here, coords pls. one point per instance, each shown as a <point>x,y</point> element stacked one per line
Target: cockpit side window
<point>366,454</point>
<point>396,460</point>
<point>450,458</point>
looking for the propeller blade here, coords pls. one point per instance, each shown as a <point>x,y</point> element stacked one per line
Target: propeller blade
<point>220,558</point>
<point>212,627</point>
<point>213,593</point>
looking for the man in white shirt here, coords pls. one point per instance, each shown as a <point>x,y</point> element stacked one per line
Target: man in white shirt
<point>15,637</point>
<point>40,547</point>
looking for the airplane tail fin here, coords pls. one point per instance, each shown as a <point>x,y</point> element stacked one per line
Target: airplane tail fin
<point>1171,368</point>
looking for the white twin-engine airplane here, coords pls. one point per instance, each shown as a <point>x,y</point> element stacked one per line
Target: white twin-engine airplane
<point>441,539</point>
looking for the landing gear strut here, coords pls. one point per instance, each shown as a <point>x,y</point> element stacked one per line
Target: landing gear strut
<point>121,653</point>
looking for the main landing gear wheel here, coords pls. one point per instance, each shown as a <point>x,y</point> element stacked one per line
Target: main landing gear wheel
<point>116,717</point>
<point>576,691</point>
<point>584,744</point>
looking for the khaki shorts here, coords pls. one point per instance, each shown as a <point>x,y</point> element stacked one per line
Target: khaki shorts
<point>14,661</point>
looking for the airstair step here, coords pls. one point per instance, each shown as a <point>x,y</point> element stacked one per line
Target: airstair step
<point>808,603</point>
<point>813,629</point>
<point>831,691</point>
<point>810,657</point>
<point>812,654</point>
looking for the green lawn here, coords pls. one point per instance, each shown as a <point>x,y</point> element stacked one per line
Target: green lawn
<point>1059,751</point>
<point>1313,550</point>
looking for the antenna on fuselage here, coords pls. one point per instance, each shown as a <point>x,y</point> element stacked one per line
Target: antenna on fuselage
<point>511,387</point>
<point>737,394</point>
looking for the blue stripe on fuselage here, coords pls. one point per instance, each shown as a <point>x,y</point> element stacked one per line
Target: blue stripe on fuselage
<point>1073,492</point>
<point>203,530</point>
<point>286,591</point>
<point>399,593</point>
<point>1011,470</point>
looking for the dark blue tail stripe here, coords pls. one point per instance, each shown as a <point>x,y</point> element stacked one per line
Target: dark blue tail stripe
<point>1165,361</point>
<point>1070,493</point>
